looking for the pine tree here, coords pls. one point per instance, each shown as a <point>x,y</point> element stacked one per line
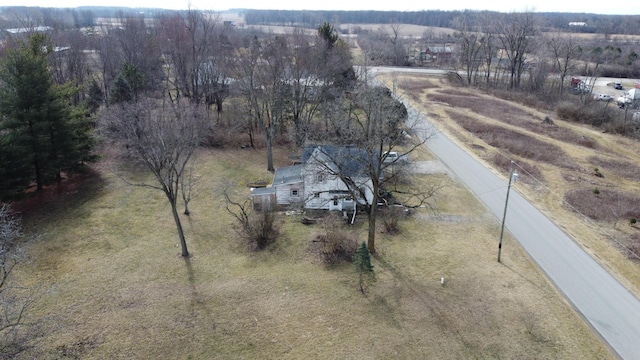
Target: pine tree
<point>39,137</point>
<point>95,96</point>
<point>362,264</point>
<point>128,85</point>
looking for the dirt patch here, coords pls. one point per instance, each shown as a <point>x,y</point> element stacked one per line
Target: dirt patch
<point>429,167</point>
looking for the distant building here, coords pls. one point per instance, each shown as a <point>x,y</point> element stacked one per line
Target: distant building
<point>577,23</point>
<point>29,29</point>
<point>445,51</point>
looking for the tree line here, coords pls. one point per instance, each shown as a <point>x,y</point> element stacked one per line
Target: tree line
<point>594,23</point>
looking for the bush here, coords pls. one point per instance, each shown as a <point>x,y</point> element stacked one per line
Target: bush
<point>257,228</point>
<point>591,114</point>
<point>262,230</point>
<point>390,219</point>
<point>336,243</point>
<point>597,172</point>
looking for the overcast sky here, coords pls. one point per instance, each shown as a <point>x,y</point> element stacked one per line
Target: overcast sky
<point>630,7</point>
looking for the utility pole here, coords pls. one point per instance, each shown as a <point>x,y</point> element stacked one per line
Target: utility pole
<point>513,176</point>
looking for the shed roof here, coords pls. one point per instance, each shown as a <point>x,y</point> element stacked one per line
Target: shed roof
<point>288,175</point>
<point>263,191</point>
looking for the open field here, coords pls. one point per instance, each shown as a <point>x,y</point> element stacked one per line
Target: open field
<point>117,287</point>
<point>564,166</point>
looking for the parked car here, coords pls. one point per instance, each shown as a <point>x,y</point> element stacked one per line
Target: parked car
<point>603,97</point>
<point>393,157</point>
<point>617,85</point>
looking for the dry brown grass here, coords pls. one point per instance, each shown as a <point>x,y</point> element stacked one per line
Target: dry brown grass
<point>119,289</point>
<point>624,169</point>
<point>604,205</point>
<point>514,142</point>
<point>513,114</point>
<point>617,159</point>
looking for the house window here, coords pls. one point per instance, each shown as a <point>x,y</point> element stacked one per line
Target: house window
<point>319,178</point>
<point>316,195</point>
<point>294,192</point>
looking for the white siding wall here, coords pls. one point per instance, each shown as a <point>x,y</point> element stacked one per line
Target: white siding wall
<point>284,194</point>
<point>324,188</point>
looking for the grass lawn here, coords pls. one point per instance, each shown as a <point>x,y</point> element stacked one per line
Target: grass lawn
<point>114,285</point>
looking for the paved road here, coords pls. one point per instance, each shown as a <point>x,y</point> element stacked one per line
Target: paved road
<point>605,304</point>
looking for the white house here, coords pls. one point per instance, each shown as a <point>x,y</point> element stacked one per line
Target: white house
<point>324,188</point>
<point>316,184</point>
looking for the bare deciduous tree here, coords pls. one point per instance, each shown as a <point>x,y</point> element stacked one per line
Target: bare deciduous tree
<point>304,85</point>
<point>378,126</point>
<point>564,51</point>
<point>109,59</point>
<point>471,42</point>
<point>69,61</point>
<point>260,76</point>
<point>161,140</point>
<point>190,42</point>
<point>14,299</point>
<point>139,48</point>
<point>515,32</point>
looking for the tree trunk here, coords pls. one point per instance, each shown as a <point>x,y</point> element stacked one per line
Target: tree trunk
<point>269,137</point>
<point>371,239</point>
<point>219,105</point>
<point>176,217</point>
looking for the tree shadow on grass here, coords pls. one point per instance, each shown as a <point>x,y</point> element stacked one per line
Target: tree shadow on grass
<point>60,200</point>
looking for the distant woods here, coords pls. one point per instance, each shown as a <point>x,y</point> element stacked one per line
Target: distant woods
<point>594,23</point>
<point>61,68</point>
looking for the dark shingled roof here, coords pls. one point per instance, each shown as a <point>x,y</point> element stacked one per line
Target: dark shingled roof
<point>350,160</point>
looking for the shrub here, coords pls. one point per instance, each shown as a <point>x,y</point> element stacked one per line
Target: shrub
<point>633,221</point>
<point>597,172</point>
<point>591,114</point>
<point>515,142</point>
<point>263,229</point>
<point>257,228</point>
<point>336,243</point>
<point>596,191</point>
<point>390,219</point>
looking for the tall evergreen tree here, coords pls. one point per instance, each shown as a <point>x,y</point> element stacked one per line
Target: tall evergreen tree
<point>128,84</point>
<point>40,136</point>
